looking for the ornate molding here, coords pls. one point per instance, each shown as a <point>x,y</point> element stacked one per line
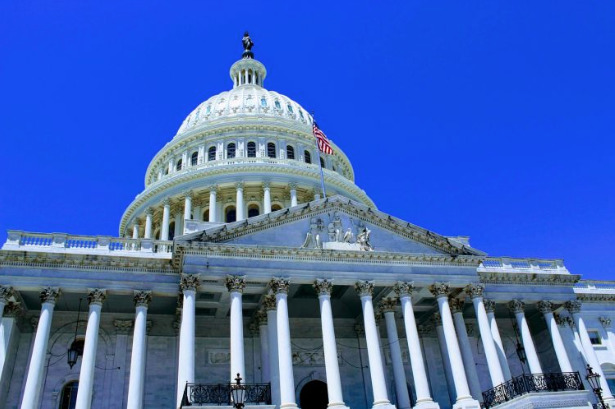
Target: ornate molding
<point>97,296</point>
<point>189,282</point>
<point>49,295</point>
<point>436,318</point>
<point>359,330</point>
<point>545,306</point>
<point>440,289</point>
<point>279,285</point>
<point>475,290</point>
<point>516,306</point>
<point>323,286</point>
<point>388,304</point>
<point>456,305</point>
<point>530,278</point>
<point>269,302</point>
<point>364,288</point>
<point>142,298</point>
<point>605,321</point>
<point>595,297</point>
<point>12,310</point>
<point>404,289</point>
<point>489,305</point>
<point>563,321</point>
<point>573,306</point>
<point>6,292</point>
<point>122,326</point>
<point>235,283</point>
<point>260,318</point>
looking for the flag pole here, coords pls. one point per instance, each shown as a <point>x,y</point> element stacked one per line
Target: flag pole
<point>322,175</point>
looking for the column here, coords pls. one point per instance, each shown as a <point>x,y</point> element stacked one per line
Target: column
<point>475,292</point>
<point>317,192</point>
<point>448,372</point>
<point>185,368</point>
<point>269,303</point>
<point>387,306</point>
<point>293,194</point>
<point>517,307</point>
<point>137,360</point>
<point>546,308</point>
<point>266,197</point>
<point>96,297</point>
<point>574,308</point>
<point>239,202</point>
<point>464,399</point>
<point>334,382</point>
<point>32,390</point>
<point>466,349</point>
<point>188,206</point>
<point>6,292</point>
<point>381,399</point>
<point>166,214</point>
<point>135,230</point>
<point>179,224</point>
<point>198,211</point>
<point>212,204</point>
<point>148,224</point>
<point>261,322</point>
<point>235,286</point>
<point>122,328</point>
<point>606,324</point>
<point>495,333</point>
<point>421,385</point>
<point>287,380</point>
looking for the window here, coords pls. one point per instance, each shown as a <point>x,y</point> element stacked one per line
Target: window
<point>253,210</point>
<point>206,215</point>
<point>230,214</point>
<point>611,383</point>
<point>276,207</point>
<point>290,152</point>
<point>271,150</point>
<point>251,150</point>
<point>307,156</point>
<point>301,114</point>
<point>322,163</point>
<point>68,399</point>
<point>290,108</point>
<point>194,159</point>
<point>277,105</point>
<point>263,102</point>
<point>230,150</point>
<point>208,110</point>
<point>179,165</point>
<point>171,230</point>
<point>166,171</point>
<point>211,154</point>
<point>594,337</point>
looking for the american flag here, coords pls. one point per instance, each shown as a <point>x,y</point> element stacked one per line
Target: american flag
<point>323,142</point>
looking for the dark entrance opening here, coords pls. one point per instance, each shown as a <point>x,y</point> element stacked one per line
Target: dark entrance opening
<point>314,395</point>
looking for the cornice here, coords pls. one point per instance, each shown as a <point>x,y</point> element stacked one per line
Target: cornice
<point>529,278</point>
<point>595,297</point>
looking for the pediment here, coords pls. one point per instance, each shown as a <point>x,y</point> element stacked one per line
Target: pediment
<point>336,223</point>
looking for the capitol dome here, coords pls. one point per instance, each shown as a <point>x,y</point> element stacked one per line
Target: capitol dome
<point>240,153</point>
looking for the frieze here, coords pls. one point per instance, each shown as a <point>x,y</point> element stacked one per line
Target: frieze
<point>529,278</point>
<point>595,297</point>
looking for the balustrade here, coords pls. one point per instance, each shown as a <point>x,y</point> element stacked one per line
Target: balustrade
<point>220,394</point>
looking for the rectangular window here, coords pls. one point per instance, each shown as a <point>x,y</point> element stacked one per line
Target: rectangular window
<point>594,337</point>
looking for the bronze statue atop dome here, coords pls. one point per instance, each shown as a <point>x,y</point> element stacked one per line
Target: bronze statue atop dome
<point>247,46</point>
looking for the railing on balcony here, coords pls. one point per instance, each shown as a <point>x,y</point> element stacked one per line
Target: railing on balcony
<point>524,384</point>
<point>198,394</point>
<point>506,264</point>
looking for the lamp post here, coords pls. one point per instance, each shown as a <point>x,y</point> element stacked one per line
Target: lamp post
<point>76,348</point>
<point>594,381</point>
<point>238,393</point>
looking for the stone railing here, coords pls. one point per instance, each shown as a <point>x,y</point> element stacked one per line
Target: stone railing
<point>522,265</point>
<point>66,243</point>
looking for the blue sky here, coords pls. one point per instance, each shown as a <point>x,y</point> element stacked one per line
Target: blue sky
<point>488,119</point>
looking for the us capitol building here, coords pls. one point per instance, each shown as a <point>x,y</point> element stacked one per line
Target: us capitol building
<point>233,261</point>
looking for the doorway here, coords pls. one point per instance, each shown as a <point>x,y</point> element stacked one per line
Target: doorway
<point>314,395</point>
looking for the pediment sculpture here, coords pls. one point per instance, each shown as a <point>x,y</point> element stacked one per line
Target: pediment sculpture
<point>333,237</point>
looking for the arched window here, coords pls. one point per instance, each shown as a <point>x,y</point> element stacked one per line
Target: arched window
<point>251,150</point>
<point>290,108</point>
<point>263,102</point>
<point>211,154</point>
<point>206,215</point>
<point>253,210</point>
<point>322,163</point>
<point>208,110</point>
<point>276,207</point>
<point>230,215</point>
<point>179,165</point>
<point>194,159</point>
<point>166,170</point>
<point>68,399</point>
<point>230,150</point>
<point>271,150</point>
<point>277,104</point>
<point>171,230</point>
<point>301,114</point>
<point>307,156</point>
<point>290,152</point>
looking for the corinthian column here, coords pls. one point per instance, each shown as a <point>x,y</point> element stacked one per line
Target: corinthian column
<point>166,214</point>
<point>466,349</point>
<point>266,197</point>
<point>387,306</point>
<point>334,382</point>
<point>239,202</point>
<point>546,308</point>
<point>188,206</point>
<point>421,385</point>
<point>5,294</point>
<point>495,333</point>
<point>137,360</point>
<point>185,368</point>
<point>261,322</point>
<point>381,399</point>
<point>235,285</point>
<point>32,390</point>
<point>269,303</point>
<point>212,204</point>
<point>293,194</point>
<point>148,224</point>
<point>517,307</point>
<point>96,297</point>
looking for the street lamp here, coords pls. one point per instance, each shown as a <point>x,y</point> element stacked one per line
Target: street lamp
<point>594,381</point>
<point>76,348</point>
<point>238,393</point>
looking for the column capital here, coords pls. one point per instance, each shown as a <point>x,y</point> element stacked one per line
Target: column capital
<point>260,318</point>
<point>189,282</point>
<point>364,288</point>
<point>475,290</point>
<point>436,318</point>
<point>516,306</point>
<point>239,185</point>
<point>323,286</point>
<point>6,292</point>
<point>235,283</point>
<point>573,306</point>
<point>142,298</point>
<point>388,304</point>
<point>489,305</point>
<point>605,321</point>
<point>292,185</point>
<point>279,285</point>
<point>188,194</point>
<point>97,296</point>
<point>149,212</point>
<point>122,326</point>
<point>266,184</point>
<point>456,305</point>
<point>50,295</point>
<point>545,306</point>
<point>166,201</point>
<point>563,321</point>
<point>212,188</point>
<point>269,302</point>
<point>439,289</point>
<point>12,309</point>
<point>404,289</point>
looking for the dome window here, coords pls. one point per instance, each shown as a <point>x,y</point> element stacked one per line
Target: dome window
<point>290,152</point>
<point>194,159</point>
<point>307,156</point>
<point>206,215</point>
<point>290,108</point>
<point>230,214</point>
<point>179,165</point>
<point>211,154</point>
<point>275,207</point>
<point>251,150</point>
<point>271,150</point>
<point>301,114</point>
<point>253,210</point>
<point>230,150</point>
<point>263,102</point>
<point>208,110</point>
<point>277,104</point>
<point>322,163</point>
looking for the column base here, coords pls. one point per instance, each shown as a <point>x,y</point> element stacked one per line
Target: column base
<point>467,403</point>
<point>426,404</point>
<point>289,406</point>
<point>337,405</point>
<point>383,405</point>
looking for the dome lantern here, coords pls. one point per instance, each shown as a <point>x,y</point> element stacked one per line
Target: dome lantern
<point>247,71</point>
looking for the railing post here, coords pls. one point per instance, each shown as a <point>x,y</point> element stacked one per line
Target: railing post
<point>59,240</point>
<point>185,401</point>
